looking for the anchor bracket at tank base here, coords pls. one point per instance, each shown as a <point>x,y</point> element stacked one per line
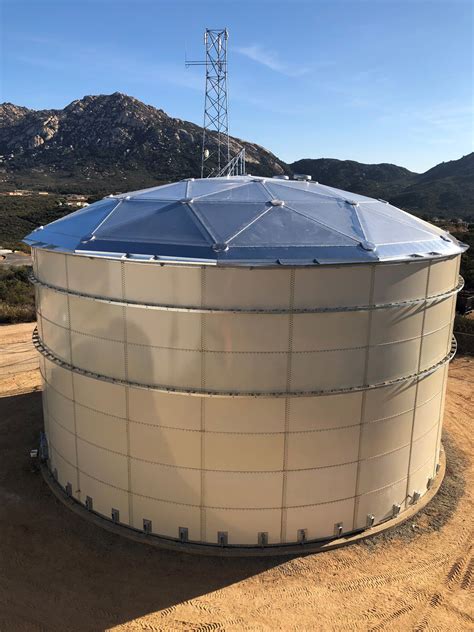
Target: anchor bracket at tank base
<point>222,547</point>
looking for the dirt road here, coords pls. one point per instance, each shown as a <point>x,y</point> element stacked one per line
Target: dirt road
<point>58,572</point>
<point>18,359</point>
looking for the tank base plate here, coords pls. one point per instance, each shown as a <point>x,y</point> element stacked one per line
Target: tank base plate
<point>312,546</point>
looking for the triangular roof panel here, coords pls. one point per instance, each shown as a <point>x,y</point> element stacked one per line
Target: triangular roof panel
<point>245,220</point>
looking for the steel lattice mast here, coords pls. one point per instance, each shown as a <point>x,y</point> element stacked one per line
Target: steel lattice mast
<point>215,103</point>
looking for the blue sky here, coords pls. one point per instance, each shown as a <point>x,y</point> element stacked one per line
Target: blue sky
<point>367,80</point>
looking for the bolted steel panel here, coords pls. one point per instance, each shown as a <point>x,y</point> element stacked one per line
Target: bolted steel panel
<point>261,469</point>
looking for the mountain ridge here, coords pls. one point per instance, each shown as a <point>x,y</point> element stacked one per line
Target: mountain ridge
<point>445,190</point>
<point>104,143</point>
<point>111,138</point>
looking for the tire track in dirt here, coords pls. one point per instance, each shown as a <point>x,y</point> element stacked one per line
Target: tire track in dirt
<point>466,582</point>
<point>375,581</point>
<point>418,579</point>
<point>451,580</point>
<point>389,619</point>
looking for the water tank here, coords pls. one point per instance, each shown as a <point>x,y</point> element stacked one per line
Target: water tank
<point>244,361</point>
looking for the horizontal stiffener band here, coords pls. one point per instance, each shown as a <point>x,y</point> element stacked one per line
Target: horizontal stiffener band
<point>211,310</point>
<point>46,352</point>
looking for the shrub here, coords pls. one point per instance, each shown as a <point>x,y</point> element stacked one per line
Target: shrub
<point>17,296</point>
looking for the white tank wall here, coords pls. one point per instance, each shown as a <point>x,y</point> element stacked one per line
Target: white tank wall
<point>276,463</point>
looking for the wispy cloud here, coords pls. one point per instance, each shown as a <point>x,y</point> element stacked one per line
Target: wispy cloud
<point>270,59</point>
<point>107,61</point>
<point>448,117</point>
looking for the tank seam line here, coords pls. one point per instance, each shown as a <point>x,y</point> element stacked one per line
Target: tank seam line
<point>127,394</point>
<point>186,467</point>
<point>364,398</point>
<point>179,308</point>
<point>440,422</point>
<point>41,348</point>
<point>234,352</point>
<point>232,432</point>
<point>172,502</point>
<point>284,484</point>
<point>73,391</point>
<point>202,477</point>
<point>420,355</point>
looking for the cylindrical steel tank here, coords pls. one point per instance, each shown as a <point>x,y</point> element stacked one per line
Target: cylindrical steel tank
<point>246,402</point>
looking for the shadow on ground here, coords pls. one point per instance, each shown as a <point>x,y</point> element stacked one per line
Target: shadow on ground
<point>47,578</point>
<point>60,572</point>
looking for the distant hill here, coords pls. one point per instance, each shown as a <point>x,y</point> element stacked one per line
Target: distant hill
<point>106,143</point>
<point>371,180</point>
<point>446,190</point>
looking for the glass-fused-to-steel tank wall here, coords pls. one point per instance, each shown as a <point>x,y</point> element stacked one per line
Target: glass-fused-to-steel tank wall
<point>244,405</point>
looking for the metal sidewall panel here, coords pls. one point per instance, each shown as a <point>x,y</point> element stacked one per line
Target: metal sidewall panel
<point>275,463</point>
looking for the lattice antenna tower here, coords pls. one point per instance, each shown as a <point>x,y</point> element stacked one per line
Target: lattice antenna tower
<point>215,103</point>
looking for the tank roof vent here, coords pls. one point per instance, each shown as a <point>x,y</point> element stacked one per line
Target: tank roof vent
<point>302,177</point>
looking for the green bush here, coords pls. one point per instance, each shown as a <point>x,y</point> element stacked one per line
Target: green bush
<point>17,296</point>
<point>464,333</point>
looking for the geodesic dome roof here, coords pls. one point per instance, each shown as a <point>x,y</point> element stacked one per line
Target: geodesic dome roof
<point>245,220</point>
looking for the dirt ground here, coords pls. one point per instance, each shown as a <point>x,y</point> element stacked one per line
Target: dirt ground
<point>59,572</point>
<point>18,359</point>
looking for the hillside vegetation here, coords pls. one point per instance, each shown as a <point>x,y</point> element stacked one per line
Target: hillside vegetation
<point>17,297</point>
<point>445,191</point>
<point>108,143</point>
<point>115,143</point>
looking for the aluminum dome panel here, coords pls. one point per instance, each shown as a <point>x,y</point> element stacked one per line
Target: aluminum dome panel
<point>174,191</point>
<point>384,209</point>
<point>336,215</point>
<point>382,229</point>
<point>225,220</point>
<point>208,186</point>
<point>307,193</point>
<point>245,220</point>
<point>281,224</point>
<point>156,222</point>
<point>249,192</point>
<point>69,230</point>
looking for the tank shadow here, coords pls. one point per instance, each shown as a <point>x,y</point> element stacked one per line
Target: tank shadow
<point>61,573</point>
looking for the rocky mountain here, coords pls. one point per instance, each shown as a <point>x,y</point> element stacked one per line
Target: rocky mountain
<point>446,190</point>
<point>107,142</point>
